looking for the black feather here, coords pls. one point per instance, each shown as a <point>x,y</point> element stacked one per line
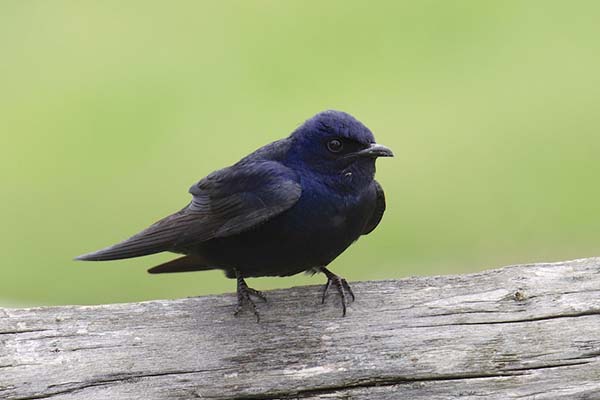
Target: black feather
<point>226,202</point>
<point>182,264</point>
<point>378,211</point>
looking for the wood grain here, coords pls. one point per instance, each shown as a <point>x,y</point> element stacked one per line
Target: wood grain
<point>520,332</point>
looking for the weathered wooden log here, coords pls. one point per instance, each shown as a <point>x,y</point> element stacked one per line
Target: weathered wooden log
<point>520,332</point>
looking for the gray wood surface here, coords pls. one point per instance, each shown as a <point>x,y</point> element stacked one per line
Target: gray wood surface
<point>520,332</point>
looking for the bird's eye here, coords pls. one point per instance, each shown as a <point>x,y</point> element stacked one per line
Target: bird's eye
<point>335,145</point>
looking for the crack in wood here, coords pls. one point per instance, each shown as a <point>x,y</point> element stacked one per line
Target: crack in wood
<point>17,332</point>
<point>546,366</point>
<point>516,321</point>
<point>370,383</point>
<point>394,381</point>
<point>105,382</point>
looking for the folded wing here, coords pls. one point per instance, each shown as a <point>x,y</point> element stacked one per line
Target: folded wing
<point>225,203</point>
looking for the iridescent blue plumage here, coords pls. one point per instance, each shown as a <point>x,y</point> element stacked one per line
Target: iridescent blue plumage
<point>291,206</point>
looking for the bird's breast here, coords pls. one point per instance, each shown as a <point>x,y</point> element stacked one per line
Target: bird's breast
<point>338,220</point>
<point>332,217</point>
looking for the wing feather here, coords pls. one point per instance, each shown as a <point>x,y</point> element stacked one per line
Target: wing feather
<point>225,203</point>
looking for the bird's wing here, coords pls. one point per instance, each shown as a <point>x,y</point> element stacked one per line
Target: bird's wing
<point>225,203</point>
<point>377,211</point>
<point>235,199</point>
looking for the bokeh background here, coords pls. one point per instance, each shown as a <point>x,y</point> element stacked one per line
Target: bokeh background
<point>110,110</point>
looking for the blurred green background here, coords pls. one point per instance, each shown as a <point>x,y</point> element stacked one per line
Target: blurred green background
<point>110,110</point>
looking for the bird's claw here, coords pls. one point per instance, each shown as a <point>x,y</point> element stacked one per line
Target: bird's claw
<point>341,285</point>
<point>243,297</point>
<point>257,293</point>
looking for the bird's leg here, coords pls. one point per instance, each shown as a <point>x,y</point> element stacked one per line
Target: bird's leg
<point>243,296</point>
<point>341,286</point>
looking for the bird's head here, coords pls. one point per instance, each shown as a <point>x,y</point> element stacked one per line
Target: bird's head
<point>337,146</point>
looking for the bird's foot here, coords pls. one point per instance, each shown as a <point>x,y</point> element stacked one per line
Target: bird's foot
<point>341,285</point>
<point>243,297</point>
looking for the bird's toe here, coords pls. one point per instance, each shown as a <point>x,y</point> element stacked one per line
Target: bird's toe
<point>342,287</point>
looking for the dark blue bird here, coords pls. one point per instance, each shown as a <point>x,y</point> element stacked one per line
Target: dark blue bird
<point>291,206</point>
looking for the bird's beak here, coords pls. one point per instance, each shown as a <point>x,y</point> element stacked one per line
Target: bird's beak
<point>375,150</point>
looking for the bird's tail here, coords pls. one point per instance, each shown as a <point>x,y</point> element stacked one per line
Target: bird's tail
<point>155,239</point>
<point>126,249</point>
<point>182,264</point>
<point>160,236</point>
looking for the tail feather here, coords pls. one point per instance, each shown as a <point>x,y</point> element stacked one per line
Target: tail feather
<point>182,264</point>
<point>159,237</point>
<point>117,252</point>
<point>142,244</point>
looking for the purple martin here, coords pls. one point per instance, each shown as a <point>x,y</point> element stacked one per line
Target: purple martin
<point>291,206</point>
